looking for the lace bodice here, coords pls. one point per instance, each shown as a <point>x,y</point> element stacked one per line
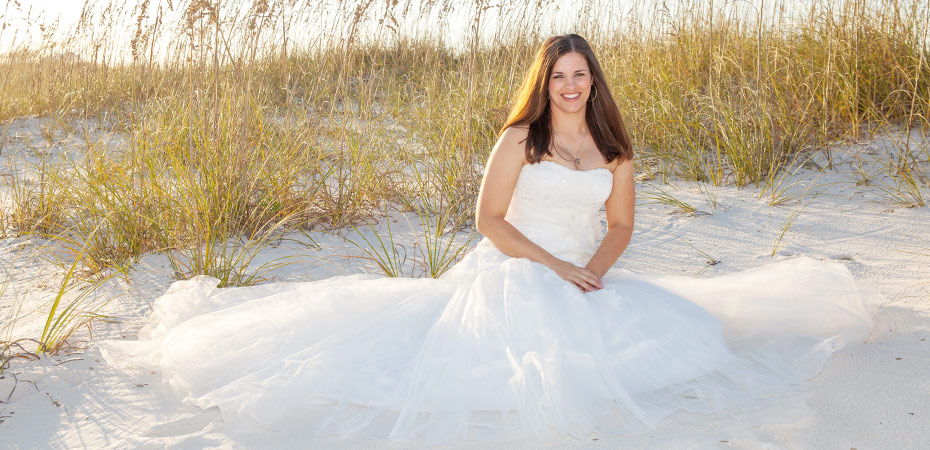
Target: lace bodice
<point>559,208</point>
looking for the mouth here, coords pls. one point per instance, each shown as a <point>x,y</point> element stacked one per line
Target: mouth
<point>571,97</point>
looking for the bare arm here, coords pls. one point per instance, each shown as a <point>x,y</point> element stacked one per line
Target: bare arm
<point>620,206</point>
<point>500,179</point>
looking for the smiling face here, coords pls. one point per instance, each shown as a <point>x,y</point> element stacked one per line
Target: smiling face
<point>570,82</point>
<point>560,82</point>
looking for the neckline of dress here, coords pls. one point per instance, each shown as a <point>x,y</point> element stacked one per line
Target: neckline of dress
<point>569,169</point>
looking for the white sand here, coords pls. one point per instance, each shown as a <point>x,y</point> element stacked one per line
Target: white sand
<point>873,396</point>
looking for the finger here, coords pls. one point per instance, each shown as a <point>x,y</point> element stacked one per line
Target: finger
<point>591,279</point>
<point>597,280</point>
<point>578,283</point>
<point>585,285</point>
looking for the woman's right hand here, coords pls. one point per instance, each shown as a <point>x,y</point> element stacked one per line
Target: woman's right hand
<point>584,279</point>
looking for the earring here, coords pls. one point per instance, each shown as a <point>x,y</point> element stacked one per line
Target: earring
<point>594,88</point>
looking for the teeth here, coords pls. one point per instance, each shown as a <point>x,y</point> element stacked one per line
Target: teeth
<point>570,96</point>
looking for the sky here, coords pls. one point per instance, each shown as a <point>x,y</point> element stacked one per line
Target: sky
<point>20,19</point>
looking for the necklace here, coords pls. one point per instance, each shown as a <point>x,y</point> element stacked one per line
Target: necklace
<point>575,159</point>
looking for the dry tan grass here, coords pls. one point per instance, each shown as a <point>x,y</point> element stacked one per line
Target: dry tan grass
<point>239,125</point>
<point>235,129</point>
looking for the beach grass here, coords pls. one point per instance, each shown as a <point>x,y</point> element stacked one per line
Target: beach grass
<point>12,350</point>
<point>237,127</point>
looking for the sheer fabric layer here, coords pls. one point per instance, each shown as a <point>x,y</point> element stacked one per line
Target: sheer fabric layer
<point>499,346</point>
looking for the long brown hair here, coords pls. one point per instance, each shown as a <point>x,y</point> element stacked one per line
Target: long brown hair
<point>601,114</point>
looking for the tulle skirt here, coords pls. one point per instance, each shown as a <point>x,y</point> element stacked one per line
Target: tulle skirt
<point>499,347</point>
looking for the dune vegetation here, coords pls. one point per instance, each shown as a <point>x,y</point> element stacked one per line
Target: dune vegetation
<point>238,121</point>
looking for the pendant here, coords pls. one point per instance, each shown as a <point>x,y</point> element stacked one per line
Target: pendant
<point>577,162</point>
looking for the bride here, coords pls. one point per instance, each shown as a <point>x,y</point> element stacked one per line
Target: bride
<point>532,334</point>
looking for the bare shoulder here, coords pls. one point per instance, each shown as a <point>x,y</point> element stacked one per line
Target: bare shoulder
<point>512,142</point>
<point>622,166</point>
<point>515,135</point>
<point>523,128</point>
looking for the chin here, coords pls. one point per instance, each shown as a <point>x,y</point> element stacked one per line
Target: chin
<point>573,108</point>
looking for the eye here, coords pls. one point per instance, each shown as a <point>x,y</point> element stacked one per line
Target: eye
<point>557,76</point>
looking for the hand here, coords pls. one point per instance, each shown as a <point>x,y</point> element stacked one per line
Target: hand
<point>584,279</point>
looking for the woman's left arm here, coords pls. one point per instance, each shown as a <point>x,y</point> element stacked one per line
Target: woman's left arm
<point>619,220</point>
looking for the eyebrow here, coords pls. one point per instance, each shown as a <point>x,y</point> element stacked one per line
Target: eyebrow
<point>579,70</point>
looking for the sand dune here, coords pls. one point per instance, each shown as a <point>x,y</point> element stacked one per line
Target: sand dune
<point>875,395</point>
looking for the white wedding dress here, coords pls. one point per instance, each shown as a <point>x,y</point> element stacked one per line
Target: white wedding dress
<point>498,346</point>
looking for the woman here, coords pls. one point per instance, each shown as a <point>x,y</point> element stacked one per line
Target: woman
<point>567,126</point>
<point>531,334</point>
